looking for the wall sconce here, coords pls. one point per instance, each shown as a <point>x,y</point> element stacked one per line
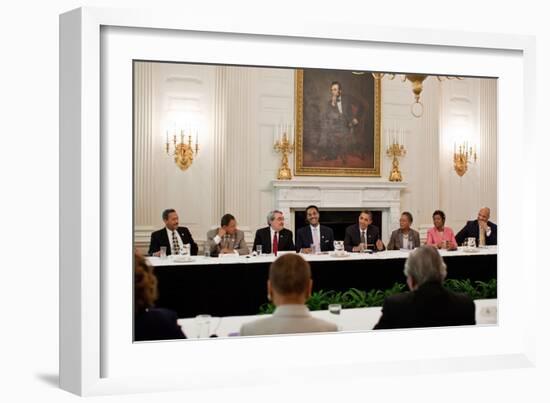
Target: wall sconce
<point>417,80</point>
<point>182,151</point>
<point>465,155</point>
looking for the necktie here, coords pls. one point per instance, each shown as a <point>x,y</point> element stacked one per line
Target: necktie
<point>363,238</point>
<point>275,248</point>
<point>175,243</point>
<point>481,237</point>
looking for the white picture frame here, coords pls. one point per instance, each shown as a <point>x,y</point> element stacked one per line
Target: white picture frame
<point>97,357</point>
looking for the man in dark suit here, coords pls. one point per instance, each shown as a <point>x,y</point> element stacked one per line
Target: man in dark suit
<point>172,236</point>
<point>428,303</point>
<point>483,230</point>
<point>274,237</point>
<point>363,235</point>
<point>314,234</point>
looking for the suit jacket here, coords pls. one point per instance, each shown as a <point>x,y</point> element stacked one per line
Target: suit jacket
<point>160,238</point>
<point>288,319</point>
<point>157,324</point>
<point>353,237</point>
<point>304,239</point>
<point>263,237</point>
<point>396,239</point>
<point>238,243</point>
<point>471,229</point>
<point>429,305</point>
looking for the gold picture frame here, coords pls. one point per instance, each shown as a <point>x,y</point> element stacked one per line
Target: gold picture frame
<point>337,142</point>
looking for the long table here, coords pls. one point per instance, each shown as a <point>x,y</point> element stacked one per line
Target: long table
<point>355,319</point>
<point>236,286</point>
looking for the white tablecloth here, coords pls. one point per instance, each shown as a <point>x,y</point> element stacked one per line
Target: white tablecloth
<point>349,319</point>
<point>268,258</point>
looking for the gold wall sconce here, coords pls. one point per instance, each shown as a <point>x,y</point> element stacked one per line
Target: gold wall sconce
<point>183,152</point>
<point>417,81</point>
<point>464,156</point>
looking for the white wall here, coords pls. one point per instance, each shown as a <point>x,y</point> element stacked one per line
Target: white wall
<point>239,110</point>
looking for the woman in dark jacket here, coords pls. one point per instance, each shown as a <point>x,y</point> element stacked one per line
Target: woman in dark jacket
<point>151,323</point>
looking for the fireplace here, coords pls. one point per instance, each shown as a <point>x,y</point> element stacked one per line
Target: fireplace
<point>340,200</point>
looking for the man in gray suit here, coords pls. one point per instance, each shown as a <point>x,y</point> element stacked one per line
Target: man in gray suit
<point>404,237</point>
<point>288,287</point>
<point>227,239</point>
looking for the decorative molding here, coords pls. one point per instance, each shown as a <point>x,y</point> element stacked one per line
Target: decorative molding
<point>143,132</point>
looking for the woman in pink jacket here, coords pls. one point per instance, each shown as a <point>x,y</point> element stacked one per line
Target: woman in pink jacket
<point>440,236</point>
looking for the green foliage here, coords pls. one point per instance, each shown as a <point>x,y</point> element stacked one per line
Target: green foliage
<point>478,290</point>
<point>354,298</point>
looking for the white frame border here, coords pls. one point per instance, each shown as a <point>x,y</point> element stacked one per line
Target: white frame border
<point>80,177</point>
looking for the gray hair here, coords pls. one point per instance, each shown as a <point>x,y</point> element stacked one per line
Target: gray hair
<point>425,264</point>
<point>271,216</point>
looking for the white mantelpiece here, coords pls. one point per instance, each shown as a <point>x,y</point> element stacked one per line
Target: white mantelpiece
<point>347,194</point>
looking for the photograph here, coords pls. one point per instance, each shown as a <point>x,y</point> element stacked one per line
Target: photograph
<point>225,249</point>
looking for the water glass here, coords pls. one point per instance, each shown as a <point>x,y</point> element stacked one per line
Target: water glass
<point>259,249</point>
<point>336,309</point>
<point>203,326</point>
<point>314,250</point>
<point>163,252</point>
<point>186,249</point>
<point>206,251</point>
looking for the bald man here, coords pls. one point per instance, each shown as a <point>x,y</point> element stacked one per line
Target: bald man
<point>483,230</point>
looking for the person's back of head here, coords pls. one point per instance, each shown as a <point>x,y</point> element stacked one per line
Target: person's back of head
<point>145,284</point>
<point>424,265</point>
<point>290,277</point>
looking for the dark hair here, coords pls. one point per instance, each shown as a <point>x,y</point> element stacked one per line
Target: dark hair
<point>409,215</point>
<point>368,212</point>
<point>166,213</point>
<point>226,219</point>
<point>145,284</point>
<point>336,83</point>
<point>290,275</point>
<point>439,213</point>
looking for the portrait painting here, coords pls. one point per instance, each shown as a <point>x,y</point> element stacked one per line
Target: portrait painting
<point>337,123</point>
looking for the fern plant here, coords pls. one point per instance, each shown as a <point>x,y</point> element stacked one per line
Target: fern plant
<point>355,298</point>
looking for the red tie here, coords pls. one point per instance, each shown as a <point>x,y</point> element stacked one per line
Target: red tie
<point>275,245</point>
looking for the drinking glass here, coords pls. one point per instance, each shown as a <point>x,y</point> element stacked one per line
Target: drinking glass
<point>203,325</point>
<point>163,252</point>
<point>206,251</point>
<point>336,309</point>
<point>185,250</point>
<point>314,250</point>
<point>259,249</point>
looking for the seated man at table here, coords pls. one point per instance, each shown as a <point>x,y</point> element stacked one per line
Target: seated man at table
<point>289,287</point>
<point>151,323</point>
<point>404,237</point>
<point>483,230</point>
<point>428,303</point>
<point>275,237</point>
<point>172,236</point>
<point>314,234</point>
<point>363,235</point>
<point>226,239</point>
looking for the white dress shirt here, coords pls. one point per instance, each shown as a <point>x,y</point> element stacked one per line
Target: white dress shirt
<point>316,241</point>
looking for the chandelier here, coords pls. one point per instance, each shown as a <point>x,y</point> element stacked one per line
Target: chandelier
<point>417,80</point>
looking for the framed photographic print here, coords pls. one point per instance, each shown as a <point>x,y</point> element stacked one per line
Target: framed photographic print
<point>98,50</point>
<point>337,123</point>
